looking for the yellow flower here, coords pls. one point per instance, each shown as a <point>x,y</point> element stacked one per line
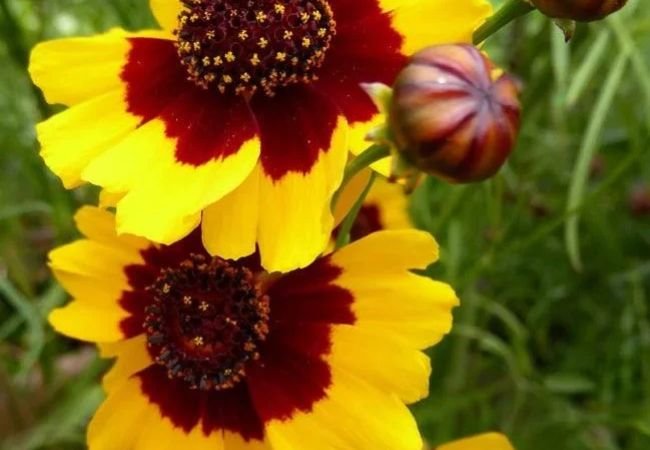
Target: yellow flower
<point>488,441</point>
<point>222,120</point>
<point>219,354</point>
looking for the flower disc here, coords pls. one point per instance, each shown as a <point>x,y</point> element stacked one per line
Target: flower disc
<point>241,46</point>
<point>206,322</point>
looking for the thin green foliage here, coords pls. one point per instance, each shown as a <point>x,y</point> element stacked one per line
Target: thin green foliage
<point>588,151</point>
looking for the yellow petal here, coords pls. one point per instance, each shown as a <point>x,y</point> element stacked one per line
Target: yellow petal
<point>109,199</point>
<point>119,420</point>
<point>122,166</point>
<point>128,421</point>
<point>73,70</point>
<point>93,273</point>
<point>72,139</point>
<point>389,252</point>
<point>131,356</point>
<point>89,322</point>
<point>84,73</point>
<point>229,226</point>
<point>355,415</point>
<point>164,198</point>
<point>423,23</point>
<point>166,12</point>
<point>99,225</point>
<point>386,362</point>
<point>409,306</point>
<point>489,441</point>
<point>94,259</point>
<point>295,218</point>
<point>92,289</point>
<point>388,298</point>
<point>158,433</point>
<point>392,203</point>
<point>234,441</point>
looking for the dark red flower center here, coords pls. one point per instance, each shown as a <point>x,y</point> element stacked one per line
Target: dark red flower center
<point>206,322</point>
<point>243,46</point>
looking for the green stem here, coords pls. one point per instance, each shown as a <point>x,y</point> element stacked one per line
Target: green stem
<point>343,238</point>
<point>371,155</point>
<point>511,10</point>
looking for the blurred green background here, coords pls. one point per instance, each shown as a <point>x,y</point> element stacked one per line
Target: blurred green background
<point>551,258</point>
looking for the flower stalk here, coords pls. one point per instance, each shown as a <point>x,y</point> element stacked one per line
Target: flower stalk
<point>343,238</point>
<point>510,11</point>
<point>369,156</point>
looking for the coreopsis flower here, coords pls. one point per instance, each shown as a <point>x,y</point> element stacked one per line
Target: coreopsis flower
<point>453,114</point>
<point>215,353</point>
<point>580,10</point>
<point>488,441</point>
<point>238,115</point>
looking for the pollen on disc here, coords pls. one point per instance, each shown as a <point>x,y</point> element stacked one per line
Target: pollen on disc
<point>245,46</point>
<point>206,323</point>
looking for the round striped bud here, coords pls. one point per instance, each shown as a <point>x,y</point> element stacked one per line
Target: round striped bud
<point>453,114</point>
<point>580,10</point>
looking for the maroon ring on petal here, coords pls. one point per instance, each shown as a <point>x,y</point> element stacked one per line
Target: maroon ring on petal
<point>207,125</point>
<point>291,373</point>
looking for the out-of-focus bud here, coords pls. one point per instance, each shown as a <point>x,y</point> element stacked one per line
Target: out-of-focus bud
<point>580,10</point>
<point>597,167</point>
<point>453,114</point>
<point>639,200</point>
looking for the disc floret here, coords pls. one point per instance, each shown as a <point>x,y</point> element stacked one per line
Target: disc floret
<point>243,46</point>
<point>207,321</point>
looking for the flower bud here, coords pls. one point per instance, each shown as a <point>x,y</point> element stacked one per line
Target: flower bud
<point>639,200</point>
<point>453,114</point>
<point>580,10</point>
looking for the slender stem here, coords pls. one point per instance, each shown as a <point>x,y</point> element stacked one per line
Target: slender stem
<point>511,10</point>
<point>371,155</point>
<point>343,238</point>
